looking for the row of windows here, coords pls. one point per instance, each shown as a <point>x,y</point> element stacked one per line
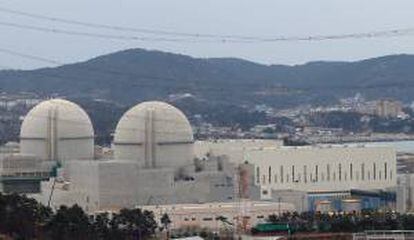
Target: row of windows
<point>340,173</point>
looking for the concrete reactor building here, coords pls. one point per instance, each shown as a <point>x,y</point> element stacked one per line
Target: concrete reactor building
<point>57,130</point>
<point>53,132</point>
<point>154,134</point>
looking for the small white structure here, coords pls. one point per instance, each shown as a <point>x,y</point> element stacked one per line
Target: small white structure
<point>405,193</point>
<point>154,134</point>
<point>57,130</point>
<point>214,215</point>
<point>384,234</point>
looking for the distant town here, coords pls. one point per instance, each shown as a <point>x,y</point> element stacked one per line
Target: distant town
<point>353,119</point>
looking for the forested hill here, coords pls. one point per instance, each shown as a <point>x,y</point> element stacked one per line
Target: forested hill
<point>136,74</point>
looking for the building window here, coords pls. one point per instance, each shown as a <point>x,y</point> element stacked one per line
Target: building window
<point>374,171</point>
<point>385,171</point>
<point>275,177</point>
<point>305,174</point>
<point>362,171</point>
<point>316,173</point>
<point>270,174</point>
<point>207,219</point>
<point>293,173</point>
<point>263,179</point>
<point>328,172</point>
<point>258,175</point>
<point>351,174</point>
<point>390,174</point>
<point>340,172</point>
<point>281,174</point>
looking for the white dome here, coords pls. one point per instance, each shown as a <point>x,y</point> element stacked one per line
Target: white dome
<point>155,134</point>
<point>57,130</point>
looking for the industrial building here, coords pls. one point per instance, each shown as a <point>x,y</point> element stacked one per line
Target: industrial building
<point>217,215</point>
<point>156,162</point>
<point>324,168</point>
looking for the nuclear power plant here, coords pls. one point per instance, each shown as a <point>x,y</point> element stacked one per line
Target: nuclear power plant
<point>154,160</point>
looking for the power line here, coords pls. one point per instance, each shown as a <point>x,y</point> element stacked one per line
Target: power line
<point>121,28</point>
<point>91,35</point>
<point>189,37</point>
<point>28,56</point>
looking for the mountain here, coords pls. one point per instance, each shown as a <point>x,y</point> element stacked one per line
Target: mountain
<point>134,75</point>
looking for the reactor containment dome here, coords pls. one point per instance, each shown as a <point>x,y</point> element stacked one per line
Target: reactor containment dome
<point>57,130</point>
<point>156,135</point>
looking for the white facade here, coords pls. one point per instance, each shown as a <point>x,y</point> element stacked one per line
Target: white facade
<point>110,185</point>
<point>207,215</point>
<point>405,193</point>
<point>57,130</point>
<point>154,134</point>
<point>314,169</point>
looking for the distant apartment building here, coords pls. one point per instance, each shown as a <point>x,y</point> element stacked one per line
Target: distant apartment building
<point>388,108</point>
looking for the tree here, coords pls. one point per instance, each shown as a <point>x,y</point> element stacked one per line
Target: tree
<point>21,216</point>
<point>165,221</point>
<point>101,227</point>
<point>69,223</point>
<point>135,223</point>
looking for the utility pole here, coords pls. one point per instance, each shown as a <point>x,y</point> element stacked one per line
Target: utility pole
<point>242,195</point>
<point>278,205</point>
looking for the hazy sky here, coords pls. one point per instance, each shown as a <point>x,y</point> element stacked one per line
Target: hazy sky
<point>264,18</point>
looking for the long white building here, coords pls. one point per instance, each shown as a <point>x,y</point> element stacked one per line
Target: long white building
<point>314,169</point>
<point>215,215</point>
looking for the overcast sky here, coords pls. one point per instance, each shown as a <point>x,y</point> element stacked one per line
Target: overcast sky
<point>262,18</point>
